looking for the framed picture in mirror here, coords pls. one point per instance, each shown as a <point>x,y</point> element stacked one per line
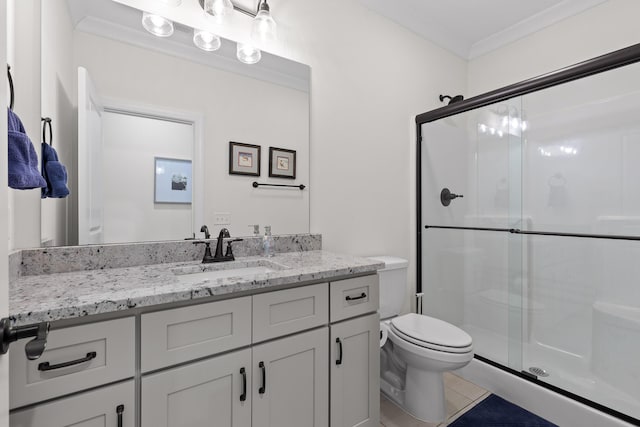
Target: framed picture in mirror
<point>173,181</point>
<point>244,159</point>
<point>282,163</point>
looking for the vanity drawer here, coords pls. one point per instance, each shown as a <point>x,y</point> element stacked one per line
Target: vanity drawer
<point>174,336</point>
<point>353,297</point>
<point>291,310</point>
<point>100,407</point>
<point>104,352</point>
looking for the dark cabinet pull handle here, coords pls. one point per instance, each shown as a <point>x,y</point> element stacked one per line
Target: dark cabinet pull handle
<point>119,411</point>
<point>45,366</point>
<point>243,396</point>
<point>339,360</point>
<point>262,389</point>
<point>362,295</point>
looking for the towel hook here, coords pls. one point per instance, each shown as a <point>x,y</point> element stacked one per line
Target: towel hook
<point>47,121</point>
<point>10,86</point>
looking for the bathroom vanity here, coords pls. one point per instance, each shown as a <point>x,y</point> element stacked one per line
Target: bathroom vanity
<point>290,340</point>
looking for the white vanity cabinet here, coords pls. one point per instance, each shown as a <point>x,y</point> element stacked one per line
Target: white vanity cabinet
<point>355,353</point>
<point>263,360</point>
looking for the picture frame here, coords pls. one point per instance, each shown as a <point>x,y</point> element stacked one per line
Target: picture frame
<point>173,181</point>
<point>244,159</point>
<point>282,163</point>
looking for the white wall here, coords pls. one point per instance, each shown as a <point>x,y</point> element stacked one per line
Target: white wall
<point>607,27</point>
<point>58,103</point>
<point>130,144</point>
<point>235,108</point>
<point>369,79</point>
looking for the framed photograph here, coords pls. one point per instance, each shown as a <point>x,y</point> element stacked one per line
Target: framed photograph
<point>282,163</point>
<point>244,159</point>
<point>173,181</point>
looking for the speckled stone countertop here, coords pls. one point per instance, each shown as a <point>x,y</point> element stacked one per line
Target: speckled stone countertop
<point>50,297</point>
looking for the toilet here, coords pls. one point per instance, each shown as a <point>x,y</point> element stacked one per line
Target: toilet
<point>415,350</point>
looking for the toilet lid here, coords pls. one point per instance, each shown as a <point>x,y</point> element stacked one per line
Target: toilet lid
<point>432,333</point>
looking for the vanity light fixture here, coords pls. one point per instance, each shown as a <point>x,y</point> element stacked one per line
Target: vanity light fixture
<point>248,54</point>
<point>157,25</point>
<point>206,40</point>
<point>263,27</point>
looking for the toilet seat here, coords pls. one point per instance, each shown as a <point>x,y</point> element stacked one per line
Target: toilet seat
<point>430,333</point>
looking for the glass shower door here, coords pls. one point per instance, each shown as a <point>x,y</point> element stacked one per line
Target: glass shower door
<point>471,264</point>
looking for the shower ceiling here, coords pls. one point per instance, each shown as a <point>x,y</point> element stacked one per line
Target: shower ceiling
<point>470,28</point>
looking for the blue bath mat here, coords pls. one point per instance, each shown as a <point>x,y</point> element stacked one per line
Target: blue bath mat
<point>497,412</point>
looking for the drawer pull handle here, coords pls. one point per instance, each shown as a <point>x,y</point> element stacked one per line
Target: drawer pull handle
<point>45,366</point>
<point>262,389</point>
<point>243,396</point>
<point>362,295</point>
<point>339,361</point>
<point>119,411</point>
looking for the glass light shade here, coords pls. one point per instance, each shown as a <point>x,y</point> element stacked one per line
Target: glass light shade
<point>263,28</point>
<point>248,54</point>
<point>157,25</point>
<point>206,40</point>
<point>218,8</point>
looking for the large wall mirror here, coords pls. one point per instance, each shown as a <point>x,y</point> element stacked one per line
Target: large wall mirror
<point>144,126</point>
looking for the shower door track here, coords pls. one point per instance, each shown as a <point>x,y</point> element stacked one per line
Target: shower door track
<point>538,233</point>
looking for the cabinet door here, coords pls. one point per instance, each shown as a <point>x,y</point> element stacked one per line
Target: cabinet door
<point>111,406</point>
<point>291,381</point>
<point>214,392</point>
<point>355,372</point>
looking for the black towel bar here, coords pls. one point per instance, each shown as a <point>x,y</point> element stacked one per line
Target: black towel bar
<point>11,95</point>
<point>257,184</point>
<point>47,123</point>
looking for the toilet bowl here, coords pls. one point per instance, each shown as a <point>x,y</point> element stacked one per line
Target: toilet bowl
<point>429,347</point>
<point>418,349</point>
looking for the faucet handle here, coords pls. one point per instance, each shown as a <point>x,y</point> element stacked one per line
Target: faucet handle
<point>229,253</point>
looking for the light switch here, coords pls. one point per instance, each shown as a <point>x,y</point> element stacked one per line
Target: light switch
<point>222,218</point>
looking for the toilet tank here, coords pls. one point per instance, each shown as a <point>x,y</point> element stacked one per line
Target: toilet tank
<point>393,285</point>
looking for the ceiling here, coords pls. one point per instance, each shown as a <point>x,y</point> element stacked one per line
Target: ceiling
<point>471,28</point>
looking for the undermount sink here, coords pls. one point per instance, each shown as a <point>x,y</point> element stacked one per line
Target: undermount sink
<point>241,269</point>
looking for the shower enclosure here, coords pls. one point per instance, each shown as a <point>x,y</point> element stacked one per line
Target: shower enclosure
<point>539,261</point>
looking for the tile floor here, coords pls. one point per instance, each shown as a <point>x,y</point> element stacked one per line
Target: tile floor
<point>461,395</point>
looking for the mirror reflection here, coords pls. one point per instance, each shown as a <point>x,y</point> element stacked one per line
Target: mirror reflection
<point>144,126</point>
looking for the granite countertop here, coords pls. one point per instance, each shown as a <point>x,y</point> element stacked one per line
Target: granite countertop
<point>50,297</point>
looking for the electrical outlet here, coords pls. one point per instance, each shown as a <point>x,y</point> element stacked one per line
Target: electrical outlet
<point>222,218</point>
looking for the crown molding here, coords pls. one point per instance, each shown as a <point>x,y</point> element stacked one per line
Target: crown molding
<point>531,25</point>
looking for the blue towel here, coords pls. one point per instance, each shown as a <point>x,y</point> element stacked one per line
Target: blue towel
<point>54,173</point>
<point>23,160</point>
